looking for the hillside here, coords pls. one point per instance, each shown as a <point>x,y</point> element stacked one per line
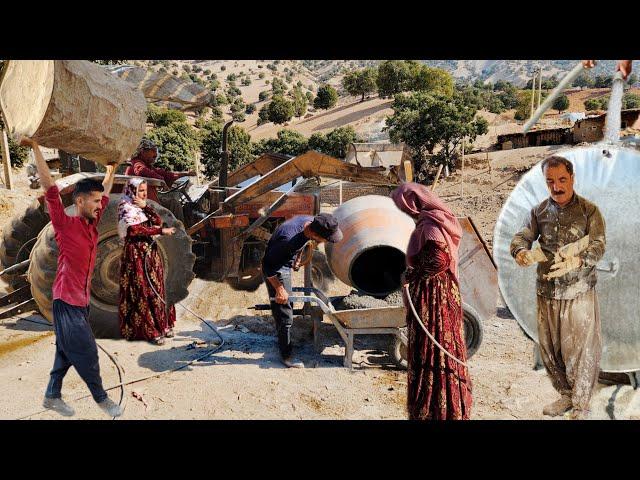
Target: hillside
<point>368,117</point>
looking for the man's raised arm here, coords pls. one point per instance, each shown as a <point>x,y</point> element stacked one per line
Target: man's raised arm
<point>46,180</point>
<point>109,177</point>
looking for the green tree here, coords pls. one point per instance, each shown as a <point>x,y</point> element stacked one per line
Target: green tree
<point>603,81</point>
<point>561,103</point>
<point>631,100</point>
<point>262,96</point>
<point>309,96</point>
<point>583,80</point>
<point>334,143</point>
<point>428,121</point>
<point>233,92</point>
<point>210,148</point>
<point>394,76</point>
<point>287,142</point>
<point>261,75</point>
<point>633,79</point>
<point>280,110</point>
<point>523,108</point>
<point>326,98</point>
<point>299,102</point>
<point>278,87</point>
<point>221,99</point>
<point>162,117</point>
<point>591,104</point>
<point>17,154</point>
<point>237,106</point>
<point>360,82</point>
<point>177,143</point>
<point>263,115</point>
<point>251,107</point>
<point>246,81</point>
<point>186,68</point>
<point>428,79</point>
<point>238,116</point>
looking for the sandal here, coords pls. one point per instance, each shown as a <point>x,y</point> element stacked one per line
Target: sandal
<point>169,333</point>
<point>158,341</point>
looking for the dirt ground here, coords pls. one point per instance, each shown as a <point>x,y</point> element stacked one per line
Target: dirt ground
<point>244,380</point>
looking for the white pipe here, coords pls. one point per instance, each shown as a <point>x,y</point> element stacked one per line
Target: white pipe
<point>569,77</point>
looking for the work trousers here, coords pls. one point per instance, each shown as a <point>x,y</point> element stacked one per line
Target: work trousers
<point>75,346</point>
<point>570,344</point>
<point>282,314</point>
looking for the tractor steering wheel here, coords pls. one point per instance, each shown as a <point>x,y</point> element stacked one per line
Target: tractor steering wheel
<point>180,184</point>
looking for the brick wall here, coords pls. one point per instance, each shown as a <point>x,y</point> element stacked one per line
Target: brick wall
<point>331,194</point>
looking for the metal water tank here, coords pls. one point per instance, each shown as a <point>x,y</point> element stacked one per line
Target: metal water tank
<point>607,176</point>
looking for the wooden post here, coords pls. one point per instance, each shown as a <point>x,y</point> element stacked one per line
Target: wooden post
<point>6,161</point>
<point>340,190</point>
<point>435,182</point>
<point>408,171</point>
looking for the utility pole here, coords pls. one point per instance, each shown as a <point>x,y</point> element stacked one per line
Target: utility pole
<point>533,92</point>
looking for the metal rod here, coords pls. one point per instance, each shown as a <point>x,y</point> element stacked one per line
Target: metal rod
<point>15,267</point>
<point>569,77</point>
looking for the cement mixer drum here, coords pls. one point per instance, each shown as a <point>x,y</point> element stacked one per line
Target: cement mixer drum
<point>607,176</point>
<point>371,256</point>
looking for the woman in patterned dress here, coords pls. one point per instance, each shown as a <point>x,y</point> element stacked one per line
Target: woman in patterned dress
<point>438,387</point>
<point>142,314</point>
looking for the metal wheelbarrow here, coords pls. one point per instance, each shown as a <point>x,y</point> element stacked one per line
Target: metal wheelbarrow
<point>375,321</point>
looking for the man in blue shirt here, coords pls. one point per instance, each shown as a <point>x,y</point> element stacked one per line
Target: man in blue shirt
<point>286,242</point>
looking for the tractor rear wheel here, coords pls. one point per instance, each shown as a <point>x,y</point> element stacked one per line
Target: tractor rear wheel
<point>18,240</point>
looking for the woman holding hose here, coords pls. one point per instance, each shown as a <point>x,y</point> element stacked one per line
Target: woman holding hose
<point>439,388</point>
<point>142,312</point>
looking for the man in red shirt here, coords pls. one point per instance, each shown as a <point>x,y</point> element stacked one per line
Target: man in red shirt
<point>77,239</point>
<point>142,166</point>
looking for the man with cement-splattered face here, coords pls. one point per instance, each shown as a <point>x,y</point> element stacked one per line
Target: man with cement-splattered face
<point>570,231</point>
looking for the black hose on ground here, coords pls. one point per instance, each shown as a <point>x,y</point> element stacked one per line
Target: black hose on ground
<point>119,368</point>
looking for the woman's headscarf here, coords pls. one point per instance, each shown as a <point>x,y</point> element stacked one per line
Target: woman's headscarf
<point>128,213</point>
<point>145,144</point>
<point>434,220</point>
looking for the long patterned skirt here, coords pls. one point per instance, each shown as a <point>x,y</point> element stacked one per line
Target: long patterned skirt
<point>438,387</point>
<point>143,315</point>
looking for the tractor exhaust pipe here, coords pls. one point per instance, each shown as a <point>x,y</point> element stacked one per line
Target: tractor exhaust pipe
<point>224,163</point>
<point>371,256</point>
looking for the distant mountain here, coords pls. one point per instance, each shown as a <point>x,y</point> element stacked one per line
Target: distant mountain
<point>515,71</point>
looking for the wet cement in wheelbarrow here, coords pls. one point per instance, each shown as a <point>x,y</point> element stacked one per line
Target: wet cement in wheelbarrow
<point>356,300</point>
